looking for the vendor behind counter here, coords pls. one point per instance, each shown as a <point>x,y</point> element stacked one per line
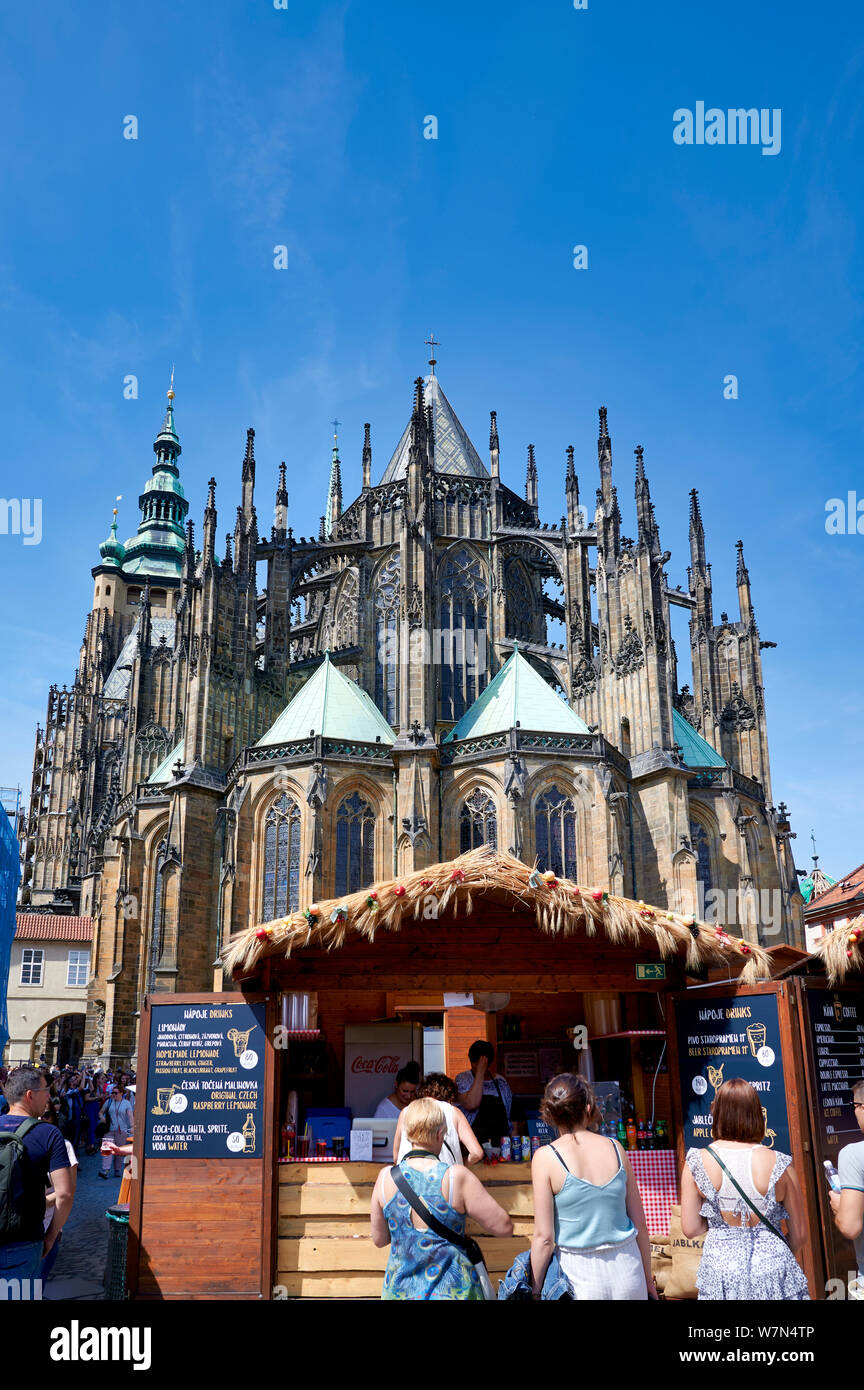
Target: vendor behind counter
<point>486,1099</point>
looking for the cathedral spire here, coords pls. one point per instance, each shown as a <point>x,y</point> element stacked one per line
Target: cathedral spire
<point>334,490</point>
<point>166,445</point>
<point>493,444</point>
<point>571,488</point>
<point>647,533</point>
<point>604,458</point>
<point>281,512</point>
<point>210,518</point>
<point>697,535</point>
<point>531,479</point>
<point>367,457</point>
<point>608,511</point>
<point>745,602</point>
<point>190,551</point>
<point>248,475</point>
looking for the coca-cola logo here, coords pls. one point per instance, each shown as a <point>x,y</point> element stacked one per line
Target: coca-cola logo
<point>375,1066</point>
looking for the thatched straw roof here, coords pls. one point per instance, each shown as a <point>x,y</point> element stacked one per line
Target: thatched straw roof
<point>559,906</point>
<point>842,951</point>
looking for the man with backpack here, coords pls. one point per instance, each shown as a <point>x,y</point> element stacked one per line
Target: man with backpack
<point>30,1153</point>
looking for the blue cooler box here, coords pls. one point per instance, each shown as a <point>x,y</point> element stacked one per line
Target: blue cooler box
<point>325,1121</point>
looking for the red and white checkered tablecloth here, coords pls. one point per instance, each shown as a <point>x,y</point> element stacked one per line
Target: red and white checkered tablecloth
<point>657,1179</point>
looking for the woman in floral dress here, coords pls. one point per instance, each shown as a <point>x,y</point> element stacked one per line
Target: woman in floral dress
<point>743,1258</point>
<point>423,1265</point>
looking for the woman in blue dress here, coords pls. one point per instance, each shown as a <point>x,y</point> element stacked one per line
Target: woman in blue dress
<point>423,1265</point>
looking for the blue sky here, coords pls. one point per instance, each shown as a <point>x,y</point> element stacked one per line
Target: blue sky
<point>304,127</point>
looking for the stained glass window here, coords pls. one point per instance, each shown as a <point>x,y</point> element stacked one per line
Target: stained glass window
<point>464,620</point>
<point>478,822</point>
<point>519,606</point>
<point>387,592</point>
<point>355,845</point>
<point>555,828</point>
<point>281,859</point>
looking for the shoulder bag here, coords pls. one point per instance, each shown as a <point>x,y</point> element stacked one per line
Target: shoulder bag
<point>764,1219</point>
<point>466,1244</point>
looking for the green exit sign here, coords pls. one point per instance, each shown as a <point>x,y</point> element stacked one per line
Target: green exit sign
<point>651,972</point>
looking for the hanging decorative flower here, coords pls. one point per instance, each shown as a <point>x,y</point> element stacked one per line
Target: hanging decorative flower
<point>372,899</point>
<point>457,876</point>
<point>744,949</point>
<point>311,913</point>
<point>853,937</point>
<point>694,931</point>
<point>399,890</point>
<point>339,914</point>
<point>426,882</point>
<point>550,878</point>
<point>670,916</point>
<point>262,933</point>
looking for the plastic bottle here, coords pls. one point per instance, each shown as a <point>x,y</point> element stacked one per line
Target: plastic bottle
<point>641,1138</point>
<point>622,1134</point>
<point>832,1175</point>
<point>631,1133</point>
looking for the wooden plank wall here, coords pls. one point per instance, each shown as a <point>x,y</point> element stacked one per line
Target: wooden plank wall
<point>324,1249</point>
<point>202,1228</point>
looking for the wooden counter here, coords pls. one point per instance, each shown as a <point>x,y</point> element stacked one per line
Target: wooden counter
<point>324,1248</point>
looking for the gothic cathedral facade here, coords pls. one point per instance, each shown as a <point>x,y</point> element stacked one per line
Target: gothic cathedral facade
<point>390,698</point>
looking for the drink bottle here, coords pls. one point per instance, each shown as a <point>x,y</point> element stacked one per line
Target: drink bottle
<point>641,1140</point>
<point>631,1133</point>
<point>832,1175</point>
<point>622,1134</point>
<point>650,1142</point>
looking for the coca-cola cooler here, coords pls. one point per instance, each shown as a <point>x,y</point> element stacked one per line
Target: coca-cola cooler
<point>374,1053</point>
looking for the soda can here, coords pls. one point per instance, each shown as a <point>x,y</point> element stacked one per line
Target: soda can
<point>516,1148</point>
<point>526,1147</point>
<point>535,1143</point>
<point>505,1148</point>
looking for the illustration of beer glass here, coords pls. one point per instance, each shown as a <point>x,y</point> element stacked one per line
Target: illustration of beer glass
<point>240,1038</point>
<point>756,1035</point>
<point>248,1132</point>
<point>163,1099</point>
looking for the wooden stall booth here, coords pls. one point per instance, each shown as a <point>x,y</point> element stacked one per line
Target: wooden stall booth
<point>799,1040</point>
<point>480,947</point>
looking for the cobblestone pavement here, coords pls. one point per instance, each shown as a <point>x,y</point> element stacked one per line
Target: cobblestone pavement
<point>80,1267</point>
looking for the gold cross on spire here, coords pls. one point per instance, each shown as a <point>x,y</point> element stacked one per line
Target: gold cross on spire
<point>431,343</point>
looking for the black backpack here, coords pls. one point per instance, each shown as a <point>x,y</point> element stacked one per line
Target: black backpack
<point>15,1212</point>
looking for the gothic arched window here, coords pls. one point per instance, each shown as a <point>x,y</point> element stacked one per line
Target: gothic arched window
<point>463,620</point>
<point>281,893</point>
<point>519,611</point>
<point>702,848</point>
<point>555,830</point>
<point>355,845</point>
<point>478,822</point>
<point>387,592</point>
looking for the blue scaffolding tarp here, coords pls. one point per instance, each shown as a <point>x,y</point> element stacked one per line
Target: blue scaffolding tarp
<point>10,874</point>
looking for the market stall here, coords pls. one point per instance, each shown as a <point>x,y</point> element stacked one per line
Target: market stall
<point>555,975</point>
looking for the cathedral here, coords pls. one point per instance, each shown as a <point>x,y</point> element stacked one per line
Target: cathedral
<point>261,720</point>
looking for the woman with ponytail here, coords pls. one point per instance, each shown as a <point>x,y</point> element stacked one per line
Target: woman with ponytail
<point>587,1206</point>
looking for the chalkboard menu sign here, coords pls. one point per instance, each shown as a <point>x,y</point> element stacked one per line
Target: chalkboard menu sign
<point>721,1037</point>
<point>837,1041</point>
<point>205,1084</point>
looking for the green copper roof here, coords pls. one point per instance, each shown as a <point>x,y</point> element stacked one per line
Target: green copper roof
<point>111,549</point>
<point>518,694</point>
<point>808,884</point>
<point>332,705</point>
<point>165,770</point>
<point>697,751</point>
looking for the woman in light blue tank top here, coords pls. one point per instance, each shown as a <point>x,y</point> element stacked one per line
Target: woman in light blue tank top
<point>586,1203</point>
